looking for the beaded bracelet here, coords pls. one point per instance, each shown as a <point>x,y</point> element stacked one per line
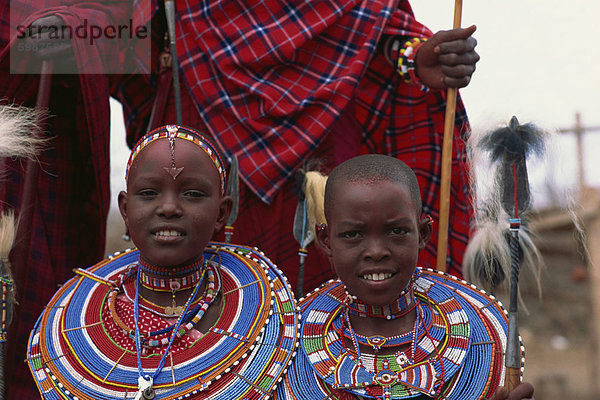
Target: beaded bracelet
<point>406,60</point>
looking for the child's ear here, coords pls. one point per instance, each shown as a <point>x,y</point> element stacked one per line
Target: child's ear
<point>224,210</point>
<point>122,199</point>
<point>322,233</point>
<point>425,231</point>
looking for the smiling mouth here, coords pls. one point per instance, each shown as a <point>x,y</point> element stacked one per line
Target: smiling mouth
<point>168,233</point>
<point>377,276</point>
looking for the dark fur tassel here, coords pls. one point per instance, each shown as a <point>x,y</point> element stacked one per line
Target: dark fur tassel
<point>487,259</point>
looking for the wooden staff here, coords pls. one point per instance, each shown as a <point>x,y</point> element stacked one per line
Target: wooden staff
<point>170,14</point>
<point>442,246</point>
<point>32,169</point>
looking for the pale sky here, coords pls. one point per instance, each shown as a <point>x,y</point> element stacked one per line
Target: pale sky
<point>539,61</point>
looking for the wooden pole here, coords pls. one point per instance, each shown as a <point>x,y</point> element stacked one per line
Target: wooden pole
<point>170,14</point>
<point>32,168</point>
<point>442,245</point>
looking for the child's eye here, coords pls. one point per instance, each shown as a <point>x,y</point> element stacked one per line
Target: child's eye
<point>350,234</point>
<point>399,231</point>
<point>147,193</point>
<point>193,193</point>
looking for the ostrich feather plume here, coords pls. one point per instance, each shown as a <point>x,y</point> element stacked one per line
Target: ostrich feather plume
<point>20,131</point>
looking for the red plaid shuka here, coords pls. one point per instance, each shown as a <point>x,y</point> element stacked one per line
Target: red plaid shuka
<point>279,82</point>
<point>69,214</point>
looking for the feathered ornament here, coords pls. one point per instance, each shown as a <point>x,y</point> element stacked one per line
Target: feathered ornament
<point>309,213</point>
<point>16,126</point>
<point>502,244</point>
<point>487,258</point>
<point>8,229</point>
<point>20,136</point>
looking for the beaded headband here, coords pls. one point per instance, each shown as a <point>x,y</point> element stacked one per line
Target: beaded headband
<point>171,132</point>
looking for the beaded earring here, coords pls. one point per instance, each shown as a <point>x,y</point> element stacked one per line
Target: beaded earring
<point>321,227</point>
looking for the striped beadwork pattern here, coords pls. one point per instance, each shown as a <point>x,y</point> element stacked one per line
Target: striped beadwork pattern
<point>466,326</point>
<point>243,355</point>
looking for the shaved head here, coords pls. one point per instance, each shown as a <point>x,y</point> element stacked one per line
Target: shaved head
<point>372,168</point>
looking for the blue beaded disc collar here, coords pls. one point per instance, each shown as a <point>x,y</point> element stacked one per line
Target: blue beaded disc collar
<point>243,355</point>
<point>460,358</point>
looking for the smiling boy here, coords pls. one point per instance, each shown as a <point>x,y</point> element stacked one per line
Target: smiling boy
<point>388,329</point>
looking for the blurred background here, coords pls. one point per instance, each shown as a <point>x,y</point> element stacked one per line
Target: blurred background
<point>539,62</point>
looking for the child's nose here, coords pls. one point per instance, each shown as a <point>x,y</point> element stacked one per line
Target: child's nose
<point>376,249</point>
<point>169,207</point>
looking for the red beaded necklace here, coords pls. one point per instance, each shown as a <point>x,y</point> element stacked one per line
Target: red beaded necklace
<point>398,308</point>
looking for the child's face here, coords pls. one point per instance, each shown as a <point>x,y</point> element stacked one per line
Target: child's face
<point>172,220</point>
<point>373,237</point>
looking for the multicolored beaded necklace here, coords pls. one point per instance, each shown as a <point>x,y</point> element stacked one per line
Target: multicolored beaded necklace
<point>376,342</point>
<point>455,352</point>
<point>78,351</point>
<point>385,374</point>
<point>404,304</point>
<point>176,279</point>
<point>146,381</point>
<point>189,320</point>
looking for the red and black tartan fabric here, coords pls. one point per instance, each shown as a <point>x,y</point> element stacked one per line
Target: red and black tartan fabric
<point>69,214</point>
<point>270,80</point>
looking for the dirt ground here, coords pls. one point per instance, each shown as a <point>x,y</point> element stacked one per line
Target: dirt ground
<point>556,329</point>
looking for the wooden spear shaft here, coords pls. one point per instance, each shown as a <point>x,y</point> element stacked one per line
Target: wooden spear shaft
<point>442,246</point>
<point>170,14</point>
<point>32,169</point>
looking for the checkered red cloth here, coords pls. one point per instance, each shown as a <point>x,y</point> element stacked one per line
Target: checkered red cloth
<point>69,214</point>
<point>270,80</point>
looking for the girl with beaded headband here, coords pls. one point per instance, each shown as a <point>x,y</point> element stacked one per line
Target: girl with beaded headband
<point>387,329</point>
<point>165,321</point>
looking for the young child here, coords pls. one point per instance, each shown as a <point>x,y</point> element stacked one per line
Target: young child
<point>387,329</point>
<point>181,317</point>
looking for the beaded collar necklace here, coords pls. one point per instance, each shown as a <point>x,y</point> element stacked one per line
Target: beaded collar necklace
<point>145,381</point>
<point>189,320</point>
<point>179,278</point>
<point>376,342</point>
<point>400,307</point>
<point>437,347</point>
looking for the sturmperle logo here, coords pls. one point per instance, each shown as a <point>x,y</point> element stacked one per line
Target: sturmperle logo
<point>79,39</point>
